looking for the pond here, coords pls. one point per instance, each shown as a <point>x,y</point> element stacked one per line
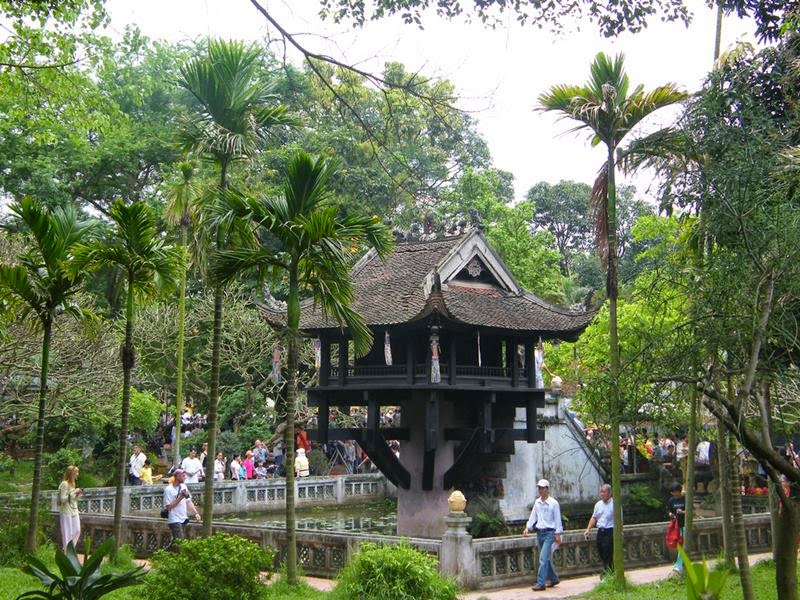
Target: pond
<point>380,518</point>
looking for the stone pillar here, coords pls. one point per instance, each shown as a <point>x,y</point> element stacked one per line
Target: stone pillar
<point>457,558</point>
<point>420,512</point>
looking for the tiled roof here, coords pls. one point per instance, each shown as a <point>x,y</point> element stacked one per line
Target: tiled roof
<point>393,292</point>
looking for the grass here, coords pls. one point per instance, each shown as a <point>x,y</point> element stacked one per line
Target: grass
<point>763,574</point>
<point>20,482</point>
<point>280,590</point>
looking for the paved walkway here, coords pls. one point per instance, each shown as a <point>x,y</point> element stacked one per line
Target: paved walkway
<point>568,588</point>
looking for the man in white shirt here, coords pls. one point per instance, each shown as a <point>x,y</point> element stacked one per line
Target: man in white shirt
<point>193,467</point>
<point>176,500</point>
<point>135,465</point>
<point>603,517</point>
<point>703,453</point>
<point>545,520</point>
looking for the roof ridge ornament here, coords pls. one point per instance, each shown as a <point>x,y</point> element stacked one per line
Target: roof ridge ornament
<point>429,229</point>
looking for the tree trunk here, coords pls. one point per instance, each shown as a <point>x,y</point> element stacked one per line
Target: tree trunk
<point>765,409</point>
<point>724,493</point>
<point>213,410</point>
<point>738,520</point>
<point>128,360</point>
<point>614,356</point>
<point>36,492</point>
<point>176,447</point>
<point>213,400</point>
<point>292,324</point>
<point>690,476</point>
<point>788,521</point>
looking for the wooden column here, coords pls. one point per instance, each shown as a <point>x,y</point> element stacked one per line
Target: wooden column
<point>323,414</point>
<point>431,439</point>
<point>529,366</point>
<point>324,361</point>
<point>453,348</point>
<point>514,364</point>
<point>410,360</point>
<point>343,360</point>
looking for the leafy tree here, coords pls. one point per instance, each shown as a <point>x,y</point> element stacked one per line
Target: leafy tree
<point>308,242</point>
<point>609,110</point>
<point>42,284</point>
<point>611,17</point>
<point>234,110</point>
<point>563,210</point>
<point>150,265</point>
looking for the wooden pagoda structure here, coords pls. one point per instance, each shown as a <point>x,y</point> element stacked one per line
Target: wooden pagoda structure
<point>454,338</point>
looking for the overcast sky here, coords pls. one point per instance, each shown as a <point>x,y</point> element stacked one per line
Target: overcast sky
<point>498,73</point>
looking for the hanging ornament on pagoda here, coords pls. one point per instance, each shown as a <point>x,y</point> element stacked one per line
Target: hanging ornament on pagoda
<point>317,353</point>
<point>387,349</point>
<point>538,359</point>
<point>479,347</point>
<point>436,373</point>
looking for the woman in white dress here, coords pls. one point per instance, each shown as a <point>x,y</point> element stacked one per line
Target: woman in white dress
<point>69,517</point>
<point>219,467</point>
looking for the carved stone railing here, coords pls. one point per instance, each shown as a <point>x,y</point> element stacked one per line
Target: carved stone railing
<point>258,495</point>
<point>319,553</point>
<point>486,564</point>
<point>501,562</point>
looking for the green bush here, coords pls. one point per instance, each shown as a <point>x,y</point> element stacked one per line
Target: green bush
<point>56,463</point>
<point>220,567</point>
<point>229,443</point>
<point>393,573</point>
<point>13,529</point>
<point>7,464</point>
<point>317,462</point>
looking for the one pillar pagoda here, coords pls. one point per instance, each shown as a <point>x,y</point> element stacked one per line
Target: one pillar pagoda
<point>454,344</point>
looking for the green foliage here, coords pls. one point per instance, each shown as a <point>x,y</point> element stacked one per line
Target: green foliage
<point>76,581</point>
<point>281,590</point>
<point>487,518</point>
<point>642,495</point>
<point>219,567</point>
<point>55,463</point>
<point>13,529</point>
<point>145,412</point>
<point>398,572</point>
<point>229,443</point>
<point>702,583</point>
<point>7,464</point>
<point>317,462</point>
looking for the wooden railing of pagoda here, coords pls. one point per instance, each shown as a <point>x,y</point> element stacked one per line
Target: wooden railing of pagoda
<point>420,375</point>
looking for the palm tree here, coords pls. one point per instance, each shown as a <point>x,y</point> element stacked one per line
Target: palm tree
<point>42,284</point>
<point>234,113</point>
<point>182,201</point>
<point>312,245</point>
<point>606,107</point>
<point>136,248</point>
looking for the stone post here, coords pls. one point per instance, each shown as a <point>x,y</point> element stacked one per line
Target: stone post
<point>457,558</point>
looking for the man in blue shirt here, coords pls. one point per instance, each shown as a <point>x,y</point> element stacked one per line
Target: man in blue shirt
<point>545,520</point>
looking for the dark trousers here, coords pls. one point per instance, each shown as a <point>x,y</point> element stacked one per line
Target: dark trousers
<point>605,547</point>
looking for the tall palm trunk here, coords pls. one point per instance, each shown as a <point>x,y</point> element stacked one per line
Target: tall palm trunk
<point>213,401</point>
<point>690,470</point>
<point>786,549</point>
<point>128,360</point>
<point>292,326</point>
<point>724,493</point>
<point>614,356</point>
<point>33,517</point>
<point>736,512</point>
<point>176,447</point>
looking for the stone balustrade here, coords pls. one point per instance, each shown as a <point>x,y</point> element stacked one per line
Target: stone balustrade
<point>257,495</point>
<point>483,564</point>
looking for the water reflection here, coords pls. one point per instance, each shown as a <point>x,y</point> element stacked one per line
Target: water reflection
<point>370,519</point>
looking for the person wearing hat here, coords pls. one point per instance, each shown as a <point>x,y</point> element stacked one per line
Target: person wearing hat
<point>301,463</point>
<point>545,520</point>
<point>177,499</point>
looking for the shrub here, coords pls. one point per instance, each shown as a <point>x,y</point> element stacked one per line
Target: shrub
<point>317,462</point>
<point>56,463</point>
<point>13,530</point>
<point>393,573</point>
<point>220,567</point>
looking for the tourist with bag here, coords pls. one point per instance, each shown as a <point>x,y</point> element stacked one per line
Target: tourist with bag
<point>676,508</point>
<point>177,499</point>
